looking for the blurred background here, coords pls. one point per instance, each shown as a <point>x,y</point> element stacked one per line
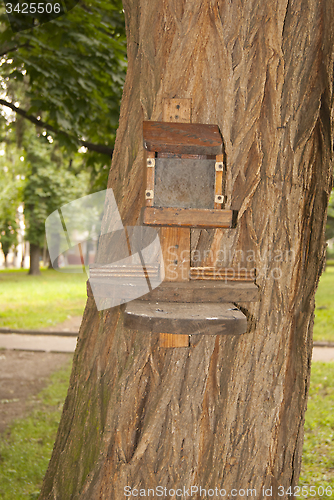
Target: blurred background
<point>60,90</point>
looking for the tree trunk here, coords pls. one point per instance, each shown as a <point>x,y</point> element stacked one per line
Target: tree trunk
<point>228,412</point>
<point>35,252</point>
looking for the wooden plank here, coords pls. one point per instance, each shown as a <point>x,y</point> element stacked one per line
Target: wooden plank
<point>175,246</point>
<point>176,110</point>
<point>175,240</point>
<point>149,177</point>
<point>190,319</point>
<point>184,217</point>
<point>219,183</point>
<point>170,340</point>
<point>204,291</point>
<point>183,138</point>
<point>221,273</point>
<point>116,287</point>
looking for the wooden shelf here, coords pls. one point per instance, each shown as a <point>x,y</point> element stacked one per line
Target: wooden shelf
<point>185,319</point>
<point>187,217</point>
<point>203,291</point>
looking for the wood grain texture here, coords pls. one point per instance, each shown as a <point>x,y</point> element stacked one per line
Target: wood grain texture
<point>228,411</point>
<point>168,340</point>
<point>187,217</point>
<point>175,244</point>
<point>219,174</point>
<point>182,138</point>
<point>176,110</point>
<point>204,291</point>
<point>149,170</point>
<point>175,240</point>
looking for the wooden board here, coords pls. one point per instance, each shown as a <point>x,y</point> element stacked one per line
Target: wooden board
<point>184,217</point>
<point>175,245</point>
<point>219,183</point>
<point>204,291</point>
<point>176,110</point>
<point>149,176</point>
<point>175,241</point>
<point>119,287</point>
<point>169,340</point>
<point>185,319</point>
<point>184,138</point>
<point>222,273</point>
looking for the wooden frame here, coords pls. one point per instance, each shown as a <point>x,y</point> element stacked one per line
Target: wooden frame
<point>187,217</point>
<point>184,139</point>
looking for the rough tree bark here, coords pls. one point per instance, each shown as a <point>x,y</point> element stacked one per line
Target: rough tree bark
<point>228,412</point>
<point>35,253</point>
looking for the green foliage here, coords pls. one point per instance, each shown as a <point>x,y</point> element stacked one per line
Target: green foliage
<point>73,69</point>
<point>40,301</point>
<point>10,196</point>
<point>318,451</point>
<point>25,453</point>
<point>48,186</point>
<point>324,312</point>
<point>8,231</point>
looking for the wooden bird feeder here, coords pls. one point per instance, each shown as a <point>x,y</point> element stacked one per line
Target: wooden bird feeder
<point>184,182</point>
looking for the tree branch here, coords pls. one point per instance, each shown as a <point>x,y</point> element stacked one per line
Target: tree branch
<point>97,148</point>
<point>14,48</point>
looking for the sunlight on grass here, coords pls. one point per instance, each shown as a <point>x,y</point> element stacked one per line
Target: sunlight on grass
<point>26,448</point>
<point>40,301</point>
<point>318,451</point>
<point>324,312</point>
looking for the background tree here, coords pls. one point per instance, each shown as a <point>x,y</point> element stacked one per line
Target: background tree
<point>11,184</point>
<point>49,185</point>
<point>228,411</point>
<point>8,232</point>
<point>72,72</point>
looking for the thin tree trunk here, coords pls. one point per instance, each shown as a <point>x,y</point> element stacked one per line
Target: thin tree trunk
<point>35,252</point>
<point>228,412</point>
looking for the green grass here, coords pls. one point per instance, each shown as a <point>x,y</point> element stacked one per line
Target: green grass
<point>26,448</point>
<point>40,301</point>
<point>318,451</point>
<point>324,312</point>
<point>25,453</point>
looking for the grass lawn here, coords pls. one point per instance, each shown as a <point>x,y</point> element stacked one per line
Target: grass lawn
<point>318,451</point>
<point>26,448</point>
<point>40,301</point>
<point>25,453</point>
<point>324,313</point>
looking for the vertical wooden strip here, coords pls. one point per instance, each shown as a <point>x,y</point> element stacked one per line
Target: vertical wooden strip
<point>219,182</point>
<point>175,242</point>
<point>150,175</point>
<point>176,110</point>
<point>171,340</point>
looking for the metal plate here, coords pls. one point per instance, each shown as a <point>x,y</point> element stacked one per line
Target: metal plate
<point>184,183</point>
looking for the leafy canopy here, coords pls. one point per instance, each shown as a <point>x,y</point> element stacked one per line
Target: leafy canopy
<point>73,68</point>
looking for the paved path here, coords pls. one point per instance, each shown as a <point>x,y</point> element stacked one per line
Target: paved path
<point>48,343</point>
<point>55,343</point>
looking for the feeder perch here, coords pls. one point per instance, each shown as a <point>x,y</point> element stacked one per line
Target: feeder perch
<point>184,182</point>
